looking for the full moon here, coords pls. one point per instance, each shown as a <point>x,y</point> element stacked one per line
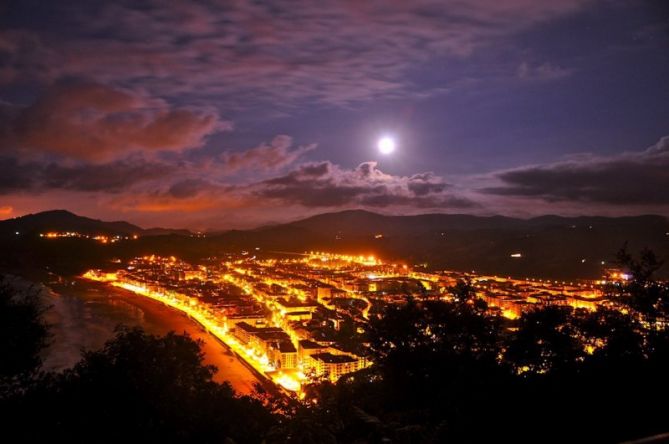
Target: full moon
<point>386,145</point>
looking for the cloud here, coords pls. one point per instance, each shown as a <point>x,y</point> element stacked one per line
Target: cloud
<point>631,178</point>
<point>6,210</point>
<point>249,52</point>
<point>426,183</point>
<point>266,157</point>
<point>540,72</point>
<point>308,187</point>
<point>13,177</point>
<point>324,184</point>
<point>25,58</point>
<point>181,177</point>
<point>97,122</point>
<point>152,203</point>
<point>188,188</point>
<point>113,177</point>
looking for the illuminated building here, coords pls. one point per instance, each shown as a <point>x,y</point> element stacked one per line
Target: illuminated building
<point>283,354</point>
<point>281,315</point>
<point>308,348</point>
<point>331,366</point>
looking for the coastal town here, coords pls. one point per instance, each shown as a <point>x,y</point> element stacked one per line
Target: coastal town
<point>301,318</point>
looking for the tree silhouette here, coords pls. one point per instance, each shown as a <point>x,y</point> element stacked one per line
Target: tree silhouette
<point>448,371</point>
<point>642,292</point>
<point>434,362</point>
<point>547,340</point>
<point>23,332</point>
<point>139,387</point>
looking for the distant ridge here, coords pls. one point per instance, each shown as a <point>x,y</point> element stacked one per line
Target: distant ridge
<point>63,220</point>
<point>362,222</point>
<point>549,246</point>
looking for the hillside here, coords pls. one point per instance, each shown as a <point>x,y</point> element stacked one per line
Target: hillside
<point>550,246</point>
<point>63,221</point>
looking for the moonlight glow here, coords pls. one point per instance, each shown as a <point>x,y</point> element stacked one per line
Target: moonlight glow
<point>386,145</point>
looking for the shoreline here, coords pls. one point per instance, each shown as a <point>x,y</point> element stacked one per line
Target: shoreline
<point>262,379</point>
<point>94,310</point>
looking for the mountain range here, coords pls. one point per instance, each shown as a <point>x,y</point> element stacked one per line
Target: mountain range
<point>546,246</point>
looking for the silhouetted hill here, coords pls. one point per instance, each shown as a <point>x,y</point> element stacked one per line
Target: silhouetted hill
<point>550,246</point>
<point>63,221</point>
<point>165,231</point>
<point>361,222</point>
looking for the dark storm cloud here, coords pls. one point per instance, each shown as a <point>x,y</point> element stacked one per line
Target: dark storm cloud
<point>97,122</point>
<point>327,185</point>
<point>14,176</point>
<point>249,52</point>
<point>181,177</point>
<point>632,178</point>
<point>187,188</point>
<point>425,183</point>
<point>24,57</point>
<point>111,177</point>
<point>115,177</point>
<point>310,185</point>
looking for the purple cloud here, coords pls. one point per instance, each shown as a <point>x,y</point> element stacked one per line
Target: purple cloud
<point>541,72</point>
<point>265,157</point>
<point>113,177</point>
<point>96,122</point>
<point>335,52</point>
<point>631,178</point>
<point>181,177</point>
<point>324,184</point>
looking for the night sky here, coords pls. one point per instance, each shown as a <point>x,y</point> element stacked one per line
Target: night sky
<point>220,114</point>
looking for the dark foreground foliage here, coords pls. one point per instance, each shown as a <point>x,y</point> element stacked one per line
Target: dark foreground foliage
<point>449,372</point>
<point>138,388</point>
<point>23,333</point>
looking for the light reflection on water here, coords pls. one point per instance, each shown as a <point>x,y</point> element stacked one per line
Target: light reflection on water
<point>84,320</point>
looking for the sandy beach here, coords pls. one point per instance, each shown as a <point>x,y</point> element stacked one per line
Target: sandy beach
<point>84,316</point>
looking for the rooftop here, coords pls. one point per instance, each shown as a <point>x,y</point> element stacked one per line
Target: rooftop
<point>329,358</point>
<point>310,345</point>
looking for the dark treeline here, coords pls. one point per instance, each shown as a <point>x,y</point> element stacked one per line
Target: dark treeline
<point>444,372</point>
<point>450,372</point>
